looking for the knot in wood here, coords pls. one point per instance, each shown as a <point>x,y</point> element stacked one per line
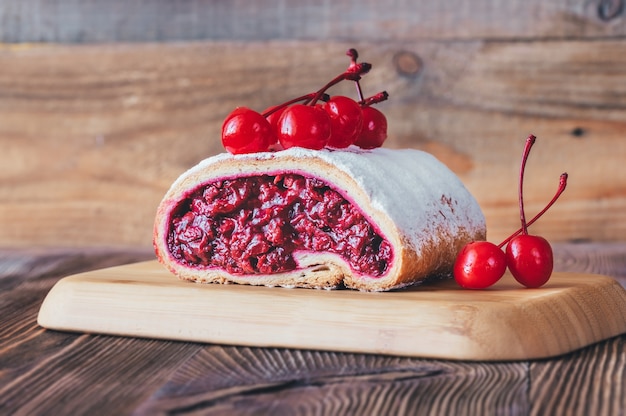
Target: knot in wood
<point>610,9</point>
<point>408,64</point>
<point>578,132</point>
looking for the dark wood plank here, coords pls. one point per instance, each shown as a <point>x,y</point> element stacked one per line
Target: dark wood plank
<point>600,258</point>
<point>113,373</point>
<point>39,264</point>
<point>79,21</point>
<point>590,381</point>
<point>271,381</point>
<point>26,277</point>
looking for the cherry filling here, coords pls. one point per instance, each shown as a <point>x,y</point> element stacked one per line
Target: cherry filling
<point>255,224</point>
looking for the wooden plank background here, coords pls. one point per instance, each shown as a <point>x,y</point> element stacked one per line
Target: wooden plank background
<point>104,104</point>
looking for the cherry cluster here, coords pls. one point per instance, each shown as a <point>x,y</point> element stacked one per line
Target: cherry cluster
<point>313,121</point>
<point>481,264</point>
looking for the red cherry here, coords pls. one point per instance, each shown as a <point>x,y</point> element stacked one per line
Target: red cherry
<point>274,116</point>
<point>246,131</point>
<point>374,130</point>
<point>346,120</point>
<point>479,265</point>
<point>529,257</point>
<point>309,124</point>
<point>304,126</point>
<point>530,260</point>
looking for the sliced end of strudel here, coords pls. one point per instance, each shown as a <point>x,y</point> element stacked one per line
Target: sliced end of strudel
<point>365,219</point>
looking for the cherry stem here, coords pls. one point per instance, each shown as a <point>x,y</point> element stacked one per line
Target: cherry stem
<point>309,96</point>
<point>562,186</point>
<point>354,55</point>
<point>353,73</point>
<point>529,144</point>
<point>359,91</point>
<point>381,96</point>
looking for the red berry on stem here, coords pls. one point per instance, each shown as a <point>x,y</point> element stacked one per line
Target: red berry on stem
<point>274,114</point>
<point>273,117</point>
<point>246,131</point>
<point>304,126</point>
<point>529,257</point>
<point>479,265</point>
<point>530,260</point>
<point>346,120</point>
<point>530,141</point>
<point>374,130</point>
<point>309,124</point>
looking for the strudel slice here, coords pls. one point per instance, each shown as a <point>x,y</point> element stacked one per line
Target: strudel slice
<point>371,220</point>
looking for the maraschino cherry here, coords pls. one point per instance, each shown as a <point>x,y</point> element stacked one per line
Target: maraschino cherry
<point>246,131</point>
<point>374,130</point>
<point>346,118</point>
<point>304,126</point>
<point>313,121</point>
<point>481,264</point>
<point>275,113</point>
<point>374,127</point>
<point>529,257</point>
<point>309,125</point>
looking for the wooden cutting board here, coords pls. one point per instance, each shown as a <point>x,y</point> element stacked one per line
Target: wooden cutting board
<point>440,320</point>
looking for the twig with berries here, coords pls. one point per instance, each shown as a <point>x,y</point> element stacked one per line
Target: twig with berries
<point>480,264</point>
<point>314,121</point>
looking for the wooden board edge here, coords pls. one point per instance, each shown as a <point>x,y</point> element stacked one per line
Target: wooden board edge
<point>65,309</point>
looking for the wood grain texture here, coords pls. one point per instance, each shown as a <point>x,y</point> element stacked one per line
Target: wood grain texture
<point>437,320</point>
<point>50,372</point>
<point>271,382</point>
<point>599,371</point>
<point>93,135</point>
<point>80,21</point>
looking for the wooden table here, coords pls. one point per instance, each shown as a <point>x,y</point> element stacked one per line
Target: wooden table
<point>49,372</point>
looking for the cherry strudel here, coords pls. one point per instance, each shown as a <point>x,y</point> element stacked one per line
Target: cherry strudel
<point>365,219</point>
